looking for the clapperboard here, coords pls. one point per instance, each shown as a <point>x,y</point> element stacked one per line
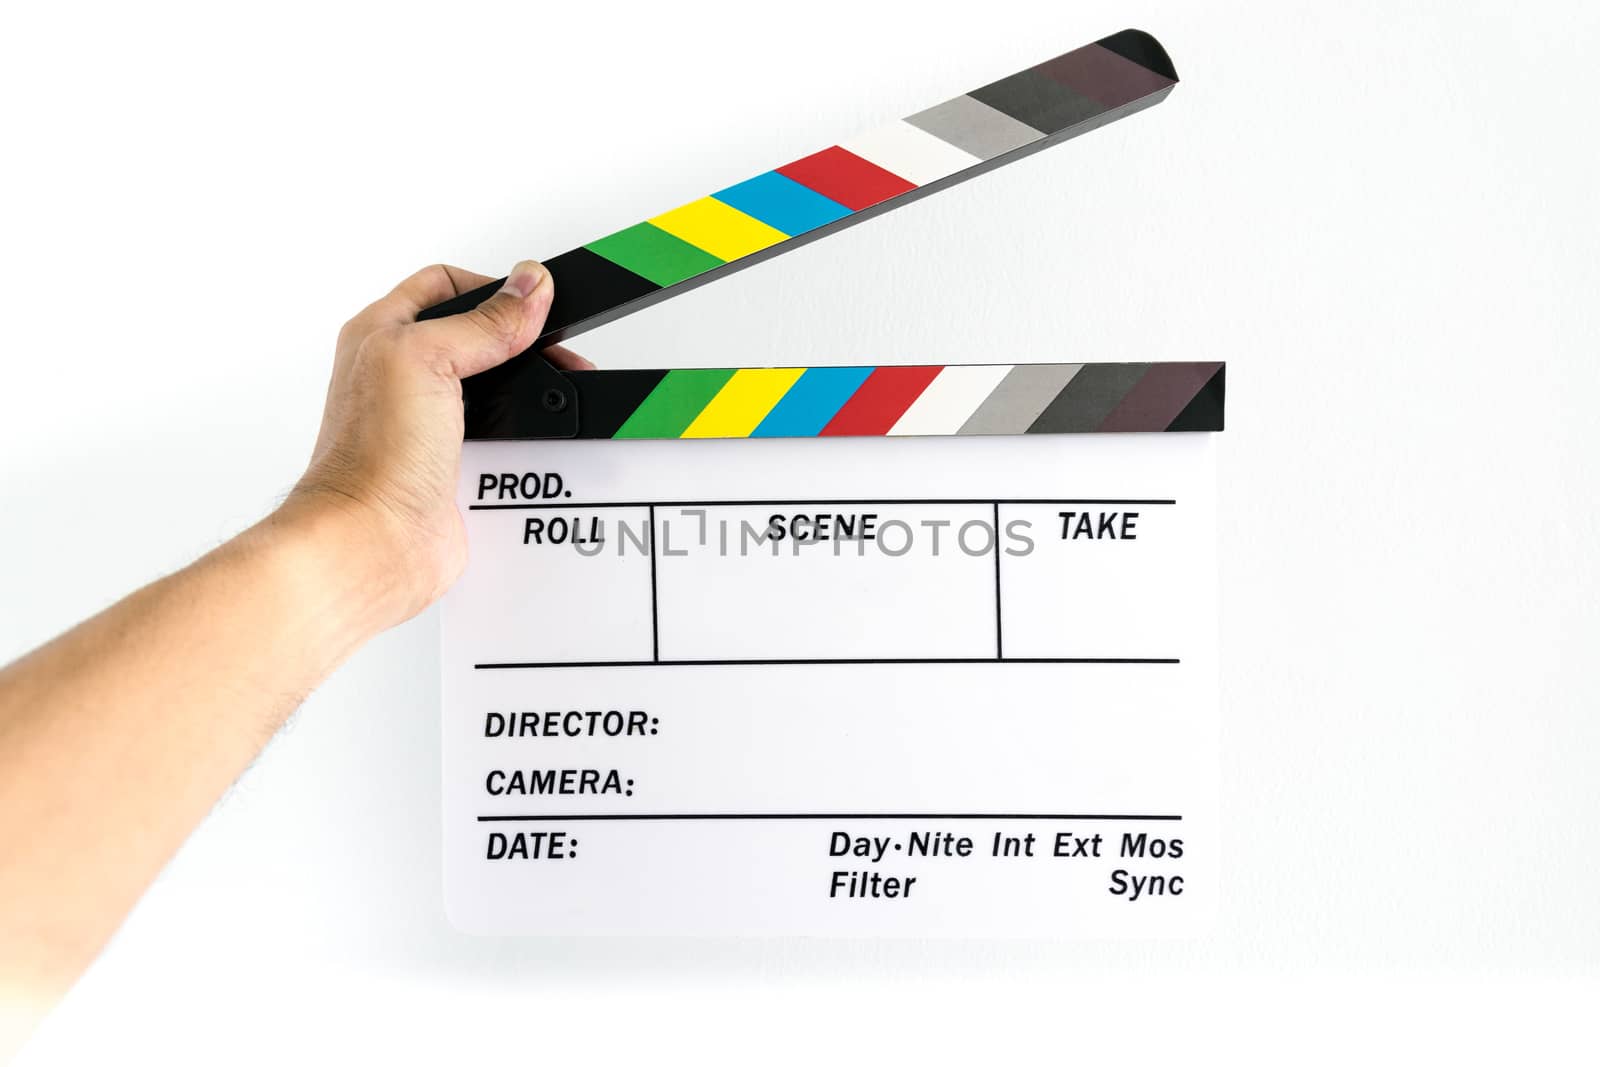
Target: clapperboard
<point>890,650</point>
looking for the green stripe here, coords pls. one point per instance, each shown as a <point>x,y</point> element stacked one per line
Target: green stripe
<point>672,405</point>
<point>653,253</point>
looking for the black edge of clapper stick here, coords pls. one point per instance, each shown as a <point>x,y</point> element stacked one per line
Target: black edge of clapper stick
<point>528,398</point>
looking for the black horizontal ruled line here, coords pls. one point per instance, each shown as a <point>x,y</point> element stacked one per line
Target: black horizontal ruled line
<point>545,506</point>
<point>812,662</point>
<point>796,816</point>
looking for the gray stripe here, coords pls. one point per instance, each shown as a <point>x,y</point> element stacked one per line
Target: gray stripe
<point>1019,398</point>
<point>975,127</point>
<point>1091,395</point>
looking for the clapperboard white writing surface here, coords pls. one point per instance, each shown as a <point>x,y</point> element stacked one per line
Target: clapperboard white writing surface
<point>898,650</point>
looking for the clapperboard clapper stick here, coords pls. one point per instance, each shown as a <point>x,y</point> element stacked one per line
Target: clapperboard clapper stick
<point>527,398</point>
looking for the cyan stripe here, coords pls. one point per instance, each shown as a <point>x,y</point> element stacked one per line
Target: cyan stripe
<point>808,405</point>
<point>782,203</point>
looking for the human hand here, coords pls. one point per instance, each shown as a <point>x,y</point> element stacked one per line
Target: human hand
<point>388,454</point>
<point>166,696</point>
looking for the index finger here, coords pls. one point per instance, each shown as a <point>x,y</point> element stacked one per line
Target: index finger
<point>429,286</point>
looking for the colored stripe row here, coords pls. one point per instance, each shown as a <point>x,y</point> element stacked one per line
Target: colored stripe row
<point>875,166</point>
<point>901,401</point>
<point>801,201</point>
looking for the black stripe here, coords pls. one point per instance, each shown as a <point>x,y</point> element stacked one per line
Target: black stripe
<point>608,397</point>
<point>588,283</point>
<point>507,402</point>
<point>1139,47</point>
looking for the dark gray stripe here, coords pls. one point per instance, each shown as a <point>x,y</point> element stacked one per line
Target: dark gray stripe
<point>1019,398</point>
<point>1039,100</point>
<point>975,127</point>
<point>1105,76</point>
<point>1106,118</point>
<point>1160,395</point>
<point>1088,398</point>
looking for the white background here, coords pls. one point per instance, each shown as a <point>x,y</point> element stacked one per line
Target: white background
<point>1385,220</point>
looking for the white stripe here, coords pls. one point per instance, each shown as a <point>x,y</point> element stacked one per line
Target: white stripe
<point>916,155</point>
<point>948,401</point>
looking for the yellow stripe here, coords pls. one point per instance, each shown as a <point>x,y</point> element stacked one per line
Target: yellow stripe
<point>714,227</point>
<point>742,403</point>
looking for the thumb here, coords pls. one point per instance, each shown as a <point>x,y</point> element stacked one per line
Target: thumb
<point>497,329</point>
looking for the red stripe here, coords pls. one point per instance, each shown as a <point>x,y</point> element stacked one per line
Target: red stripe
<point>880,401</point>
<point>845,178</point>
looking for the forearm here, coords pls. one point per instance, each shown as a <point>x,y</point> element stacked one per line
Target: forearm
<point>118,737</point>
